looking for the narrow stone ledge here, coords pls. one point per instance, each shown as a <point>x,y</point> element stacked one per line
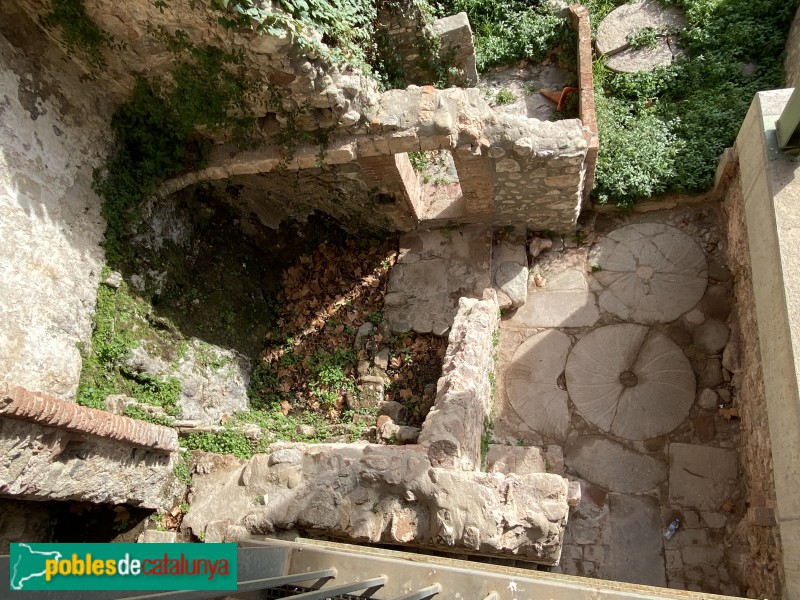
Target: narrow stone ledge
<point>452,430</point>
<point>18,403</point>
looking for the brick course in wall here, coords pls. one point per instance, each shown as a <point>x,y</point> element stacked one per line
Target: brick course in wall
<point>586,105</point>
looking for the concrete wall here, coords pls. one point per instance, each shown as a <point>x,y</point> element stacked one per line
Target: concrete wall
<point>771,195</point>
<point>759,544</point>
<point>54,130</point>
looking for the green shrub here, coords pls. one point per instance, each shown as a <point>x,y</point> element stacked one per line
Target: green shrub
<point>509,30</point>
<point>220,442</point>
<point>644,38</point>
<point>639,152</point>
<point>664,130</point>
<point>505,96</point>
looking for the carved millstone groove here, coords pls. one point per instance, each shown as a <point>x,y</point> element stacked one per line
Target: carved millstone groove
<point>631,381</point>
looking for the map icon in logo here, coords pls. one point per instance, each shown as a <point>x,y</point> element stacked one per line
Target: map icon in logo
<point>28,564</point>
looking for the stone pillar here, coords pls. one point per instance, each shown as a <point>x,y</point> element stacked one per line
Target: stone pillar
<point>393,176</point>
<point>458,48</point>
<point>475,177</point>
<point>586,105</point>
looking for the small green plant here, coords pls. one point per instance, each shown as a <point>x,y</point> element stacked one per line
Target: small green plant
<point>220,442</point>
<point>181,470</point>
<point>530,89</point>
<point>596,268</point>
<point>646,37</point>
<point>184,507</point>
<point>421,161</point>
<point>504,96</point>
<point>375,318</point>
<point>486,438</point>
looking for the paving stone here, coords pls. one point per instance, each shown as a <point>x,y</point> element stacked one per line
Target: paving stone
<point>570,308</point>
<point>695,317</point>
<point>512,279</point>
<point>715,520</point>
<point>650,273</point>
<point>515,459</point>
<point>568,279</point>
<point>434,270</point>
<point>705,428</point>
<point>635,552</point>
<point>701,477</point>
<point>631,381</point>
<point>702,555</point>
<point>711,375</point>
<point>613,466</point>
<point>532,383</point>
<point>711,336</point>
<point>717,307</point>
<point>708,399</point>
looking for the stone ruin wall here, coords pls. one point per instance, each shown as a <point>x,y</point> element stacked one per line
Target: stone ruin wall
<point>53,118</point>
<point>759,557</point>
<point>57,450</point>
<point>406,28</point>
<point>378,494</point>
<point>54,129</point>
<point>539,180</point>
<point>512,170</point>
<point>453,428</point>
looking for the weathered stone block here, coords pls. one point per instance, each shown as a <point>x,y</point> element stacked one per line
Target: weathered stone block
<point>386,494</point>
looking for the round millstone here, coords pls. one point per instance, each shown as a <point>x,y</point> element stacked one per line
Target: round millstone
<point>631,381</point>
<point>614,467</point>
<point>650,273</point>
<point>533,387</point>
<point>633,17</point>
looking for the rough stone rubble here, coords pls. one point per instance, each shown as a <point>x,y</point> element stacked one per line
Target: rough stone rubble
<point>368,493</point>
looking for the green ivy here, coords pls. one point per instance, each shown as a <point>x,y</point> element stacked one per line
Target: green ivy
<point>156,132</point>
<point>81,33</point>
